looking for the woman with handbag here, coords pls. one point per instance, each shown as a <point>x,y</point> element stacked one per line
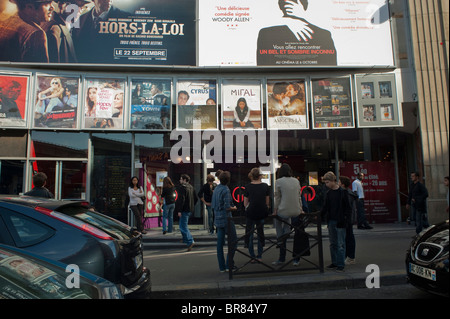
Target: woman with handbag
<point>136,193</point>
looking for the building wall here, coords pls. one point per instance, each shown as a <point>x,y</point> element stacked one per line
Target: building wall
<point>430,30</point>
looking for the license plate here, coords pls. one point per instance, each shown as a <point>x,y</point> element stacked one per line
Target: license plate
<point>423,272</point>
<point>138,261</point>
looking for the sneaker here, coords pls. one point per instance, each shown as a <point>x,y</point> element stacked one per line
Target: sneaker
<point>339,269</point>
<point>331,266</point>
<point>296,263</point>
<point>350,261</point>
<point>190,246</point>
<point>278,262</point>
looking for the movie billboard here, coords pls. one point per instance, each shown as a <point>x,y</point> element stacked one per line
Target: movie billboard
<point>150,32</point>
<point>104,102</point>
<point>241,104</point>
<point>56,102</point>
<point>13,100</point>
<point>197,104</point>
<point>287,108</point>
<point>377,104</point>
<point>151,104</point>
<point>332,103</point>
<point>322,33</point>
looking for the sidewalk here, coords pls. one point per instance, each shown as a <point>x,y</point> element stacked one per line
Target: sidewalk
<point>385,246</point>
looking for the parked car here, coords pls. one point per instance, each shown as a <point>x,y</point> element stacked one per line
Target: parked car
<point>427,260</point>
<point>24,275</point>
<point>73,233</point>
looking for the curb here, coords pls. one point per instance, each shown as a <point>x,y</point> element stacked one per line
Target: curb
<point>273,285</point>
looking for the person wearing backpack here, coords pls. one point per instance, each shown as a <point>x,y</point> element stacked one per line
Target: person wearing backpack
<point>168,195</point>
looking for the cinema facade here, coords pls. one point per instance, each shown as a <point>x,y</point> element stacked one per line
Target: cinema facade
<point>362,89</point>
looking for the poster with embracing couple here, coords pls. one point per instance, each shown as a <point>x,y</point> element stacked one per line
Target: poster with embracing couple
<point>286,105</point>
<point>104,101</point>
<point>56,102</point>
<point>312,33</point>
<point>13,100</point>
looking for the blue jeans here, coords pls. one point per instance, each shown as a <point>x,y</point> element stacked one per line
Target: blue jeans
<point>260,234</point>
<point>421,220</point>
<point>168,217</point>
<point>187,237</point>
<point>362,221</point>
<point>210,219</point>
<point>232,242</point>
<point>337,243</point>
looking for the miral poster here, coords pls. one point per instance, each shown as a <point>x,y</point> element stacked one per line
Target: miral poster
<point>150,32</point>
<point>241,104</point>
<point>104,103</point>
<point>380,195</point>
<point>56,101</point>
<point>13,100</point>
<point>294,33</point>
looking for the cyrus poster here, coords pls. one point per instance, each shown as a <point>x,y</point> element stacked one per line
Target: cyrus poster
<point>150,32</point>
<point>197,104</point>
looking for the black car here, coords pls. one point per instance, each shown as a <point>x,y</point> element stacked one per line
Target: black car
<point>24,275</point>
<point>73,233</point>
<point>427,260</point>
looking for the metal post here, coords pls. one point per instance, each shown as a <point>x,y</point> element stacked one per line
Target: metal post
<point>397,182</point>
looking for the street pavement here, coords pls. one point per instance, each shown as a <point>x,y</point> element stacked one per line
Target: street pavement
<point>177,273</point>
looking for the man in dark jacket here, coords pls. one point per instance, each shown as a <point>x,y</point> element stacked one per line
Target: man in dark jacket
<point>185,205</point>
<point>39,190</point>
<point>417,203</point>
<point>337,211</point>
<point>21,37</point>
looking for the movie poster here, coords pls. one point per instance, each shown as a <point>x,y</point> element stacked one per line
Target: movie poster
<point>332,103</point>
<point>13,100</point>
<point>235,33</point>
<point>56,102</point>
<point>241,104</point>
<point>104,101</point>
<point>150,32</point>
<point>286,105</point>
<point>377,104</point>
<point>151,104</point>
<point>197,104</point>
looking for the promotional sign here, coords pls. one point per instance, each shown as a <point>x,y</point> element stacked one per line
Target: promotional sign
<point>377,104</point>
<point>294,33</point>
<point>13,100</point>
<point>241,104</point>
<point>152,200</point>
<point>197,104</point>
<point>150,32</point>
<point>104,103</point>
<point>151,105</point>
<point>379,188</point>
<point>332,103</point>
<point>56,102</point>
<point>286,105</point>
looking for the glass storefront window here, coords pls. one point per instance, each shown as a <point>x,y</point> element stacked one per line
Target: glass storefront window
<point>11,177</point>
<point>59,144</point>
<point>111,173</point>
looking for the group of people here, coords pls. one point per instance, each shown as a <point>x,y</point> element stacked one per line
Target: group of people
<point>67,32</point>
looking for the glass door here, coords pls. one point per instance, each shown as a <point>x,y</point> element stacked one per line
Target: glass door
<point>65,179</point>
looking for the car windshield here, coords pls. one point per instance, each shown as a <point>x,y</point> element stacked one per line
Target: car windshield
<point>25,278</point>
<point>109,225</point>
